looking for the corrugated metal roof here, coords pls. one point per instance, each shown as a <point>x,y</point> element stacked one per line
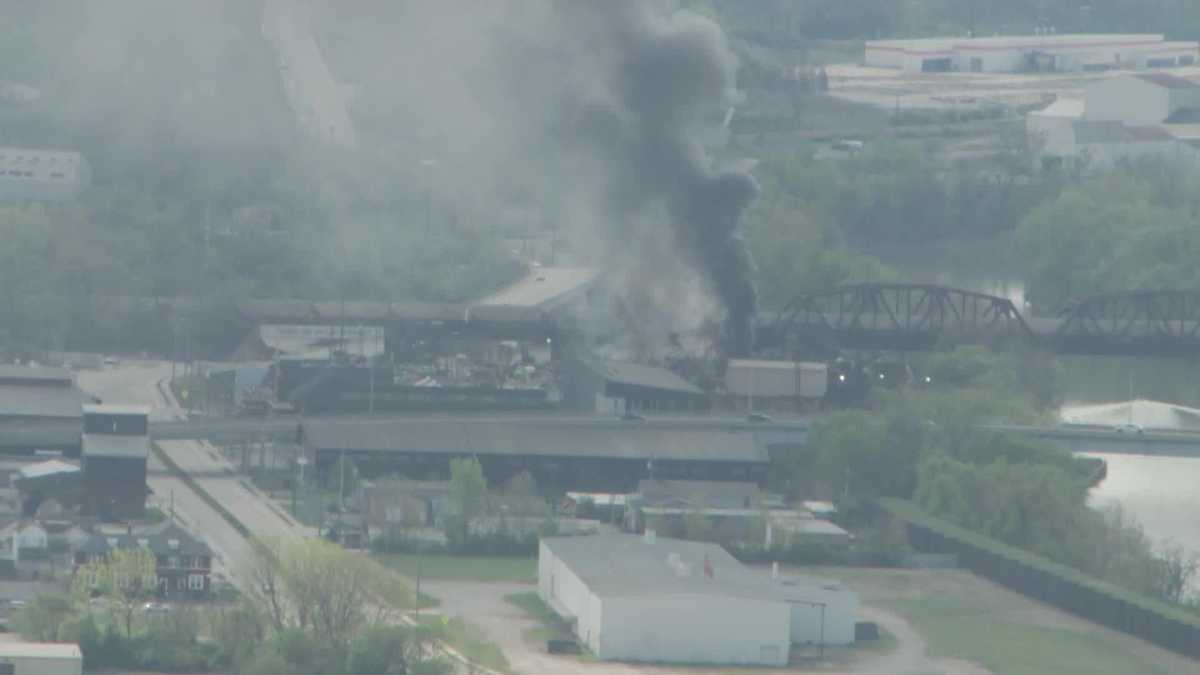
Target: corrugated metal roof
<point>650,377</point>
<point>1168,80</point>
<point>548,438</point>
<point>732,494</point>
<point>31,374</point>
<point>47,402</point>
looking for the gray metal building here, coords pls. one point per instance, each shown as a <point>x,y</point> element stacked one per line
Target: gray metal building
<point>659,600</point>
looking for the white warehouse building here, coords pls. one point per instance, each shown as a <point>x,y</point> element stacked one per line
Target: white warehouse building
<point>658,600</point>
<point>1120,118</point>
<point>1047,52</point>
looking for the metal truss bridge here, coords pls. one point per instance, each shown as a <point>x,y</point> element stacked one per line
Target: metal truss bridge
<point>908,317</point>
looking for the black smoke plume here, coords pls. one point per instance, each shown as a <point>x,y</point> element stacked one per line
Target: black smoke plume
<point>662,76</point>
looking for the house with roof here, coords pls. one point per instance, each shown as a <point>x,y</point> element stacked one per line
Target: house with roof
<point>659,600</point>
<point>183,563</point>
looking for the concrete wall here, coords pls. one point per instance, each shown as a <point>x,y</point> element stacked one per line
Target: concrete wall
<point>695,628</point>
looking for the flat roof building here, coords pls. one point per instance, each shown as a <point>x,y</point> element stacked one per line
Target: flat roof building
<point>39,394</point>
<point>1030,53</point>
<point>659,600</point>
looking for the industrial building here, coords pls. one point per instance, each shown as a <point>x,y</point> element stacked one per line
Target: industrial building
<point>774,385</point>
<point>115,447</point>
<point>658,600</point>
<point>40,658</point>
<point>42,175</point>
<point>582,454</point>
<point>618,387</point>
<point>1124,117</point>
<point>1030,53</point>
<point>40,394</point>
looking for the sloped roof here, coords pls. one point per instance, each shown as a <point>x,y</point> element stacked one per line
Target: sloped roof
<point>39,401</point>
<point>548,438</point>
<point>1168,80</point>
<point>699,493</point>
<point>34,375</point>
<point>646,376</point>
<point>158,541</point>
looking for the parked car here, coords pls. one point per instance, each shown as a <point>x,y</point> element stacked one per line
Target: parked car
<point>633,417</point>
<point>758,417</point>
<point>1129,429</point>
<point>156,608</point>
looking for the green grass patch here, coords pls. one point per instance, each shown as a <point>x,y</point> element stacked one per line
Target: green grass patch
<point>469,640</point>
<point>550,625</point>
<point>953,628</point>
<point>462,568</point>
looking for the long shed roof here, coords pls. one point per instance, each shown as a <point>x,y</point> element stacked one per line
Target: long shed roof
<point>550,438</point>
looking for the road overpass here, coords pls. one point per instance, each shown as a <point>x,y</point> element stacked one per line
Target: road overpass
<point>1076,438</point>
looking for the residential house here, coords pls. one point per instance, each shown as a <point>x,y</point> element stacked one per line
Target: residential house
<point>183,564</point>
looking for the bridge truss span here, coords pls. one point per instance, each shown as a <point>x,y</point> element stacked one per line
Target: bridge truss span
<point>1136,323</point>
<point>892,317</point>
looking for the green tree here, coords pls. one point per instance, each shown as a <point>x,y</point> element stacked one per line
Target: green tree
<point>468,498</point>
<point>318,587</point>
<point>125,578</point>
<point>41,619</point>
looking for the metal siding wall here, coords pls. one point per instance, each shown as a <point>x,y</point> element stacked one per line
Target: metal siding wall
<point>694,628</point>
<point>841,612</point>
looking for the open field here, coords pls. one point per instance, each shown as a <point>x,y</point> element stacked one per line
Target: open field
<point>967,618</point>
<point>463,568</point>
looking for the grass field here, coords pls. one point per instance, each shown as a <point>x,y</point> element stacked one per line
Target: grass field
<point>954,629</point>
<point>961,616</point>
<point>462,568</point>
<point>469,640</point>
<point>550,625</point>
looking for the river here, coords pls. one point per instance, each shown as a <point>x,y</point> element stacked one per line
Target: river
<point>1161,493</point>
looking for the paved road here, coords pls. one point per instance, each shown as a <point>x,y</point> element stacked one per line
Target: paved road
<point>542,285</point>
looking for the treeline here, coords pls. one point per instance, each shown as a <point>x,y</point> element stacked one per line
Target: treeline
<point>310,608</point>
<point>1135,227</point>
<point>933,446</point>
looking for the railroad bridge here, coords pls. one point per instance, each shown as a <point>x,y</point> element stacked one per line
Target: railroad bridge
<point>908,317</point>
